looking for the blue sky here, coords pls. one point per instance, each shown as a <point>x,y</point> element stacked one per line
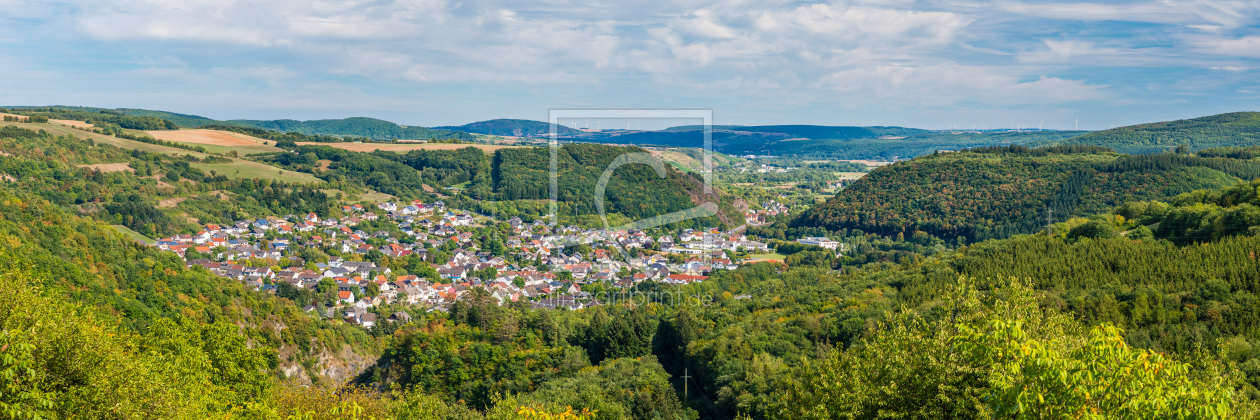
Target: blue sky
<point>928,64</point>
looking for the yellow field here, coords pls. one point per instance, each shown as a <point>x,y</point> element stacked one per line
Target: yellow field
<point>403,148</point>
<point>216,141</point>
<point>207,137</point>
<point>73,123</point>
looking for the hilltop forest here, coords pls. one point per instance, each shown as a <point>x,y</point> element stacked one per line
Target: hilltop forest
<point>995,192</point>
<point>1235,129</point>
<point>516,182</point>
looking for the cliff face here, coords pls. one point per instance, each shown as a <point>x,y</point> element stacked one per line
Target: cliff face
<point>337,367</point>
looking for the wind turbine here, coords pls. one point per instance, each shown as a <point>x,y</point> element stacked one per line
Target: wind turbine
<point>1039,124</point>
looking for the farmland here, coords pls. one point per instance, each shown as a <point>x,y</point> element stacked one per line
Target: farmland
<point>216,141</point>
<point>72,123</point>
<point>238,168</point>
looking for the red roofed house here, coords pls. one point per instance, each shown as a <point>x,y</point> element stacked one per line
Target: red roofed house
<point>684,278</point>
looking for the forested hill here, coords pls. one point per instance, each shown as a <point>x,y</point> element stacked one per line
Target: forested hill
<point>999,191</point>
<point>1235,129</point>
<point>357,126</point>
<point>515,181</point>
<point>515,128</point>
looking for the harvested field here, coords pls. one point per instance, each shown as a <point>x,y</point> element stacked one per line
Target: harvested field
<point>871,163</point>
<point>403,148</point>
<point>170,202</point>
<point>73,123</point>
<point>207,137</point>
<point>109,167</point>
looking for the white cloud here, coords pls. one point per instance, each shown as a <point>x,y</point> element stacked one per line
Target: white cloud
<point>1240,47</point>
<point>949,84</point>
<point>1202,14</point>
<point>882,53</point>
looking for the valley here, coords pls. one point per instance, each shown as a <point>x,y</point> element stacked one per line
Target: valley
<point>388,276</point>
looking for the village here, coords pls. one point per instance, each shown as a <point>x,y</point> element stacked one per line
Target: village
<point>424,255</point>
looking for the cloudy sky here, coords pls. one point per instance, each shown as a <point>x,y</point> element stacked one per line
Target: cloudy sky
<point>928,64</point>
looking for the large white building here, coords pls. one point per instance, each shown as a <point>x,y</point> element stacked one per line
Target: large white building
<point>820,241</point>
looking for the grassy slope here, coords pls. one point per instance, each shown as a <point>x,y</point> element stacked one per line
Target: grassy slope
<point>240,168</point>
<point>134,235</point>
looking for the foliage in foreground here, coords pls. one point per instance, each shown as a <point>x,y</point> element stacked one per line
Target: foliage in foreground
<point>57,361</point>
<point>996,354</point>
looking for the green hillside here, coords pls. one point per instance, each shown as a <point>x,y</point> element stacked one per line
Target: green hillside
<point>1235,129</point>
<point>1140,301</point>
<point>515,181</point>
<point>1000,191</point>
<point>357,126</point>
<point>182,120</point>
<point>514,128</point>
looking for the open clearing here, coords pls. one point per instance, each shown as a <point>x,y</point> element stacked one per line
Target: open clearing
<point>774,256</point>
<point>109,167</point>
<point>871,163</point>
<point>680,160</point>
<point>216,141</point>
<point>134,235</point>
<point>170,202</point>
<point>73,123</point>
<point>209,137</point>
<point>246,169</point>
<point>403,148</point>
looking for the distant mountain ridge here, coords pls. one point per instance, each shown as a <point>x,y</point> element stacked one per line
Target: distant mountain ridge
<point>356,126</point>
<point>1235,129</point>
<point>372,128</point>
<point>514,128</point>
<point>814,132</point>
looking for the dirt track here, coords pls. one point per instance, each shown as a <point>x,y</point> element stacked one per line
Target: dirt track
<point>109,167</point>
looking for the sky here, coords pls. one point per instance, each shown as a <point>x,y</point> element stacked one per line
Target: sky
<point>925,64</point>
